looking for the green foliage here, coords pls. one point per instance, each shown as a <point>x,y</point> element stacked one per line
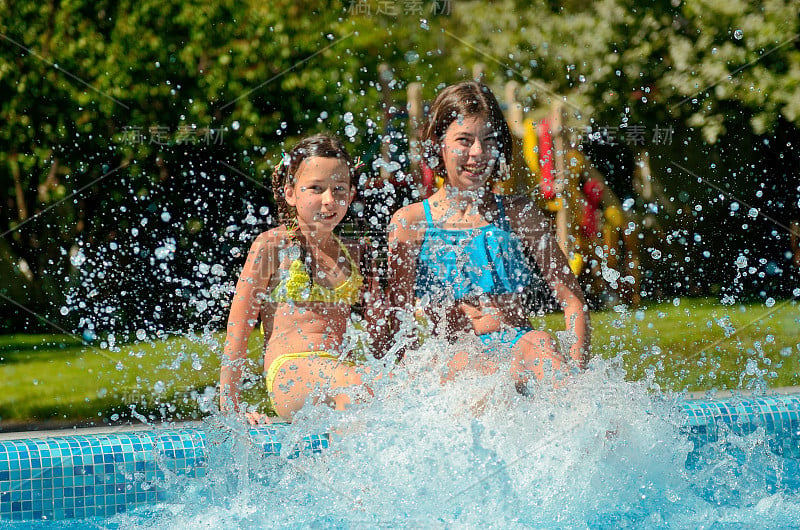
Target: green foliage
<point>100,98</point>
<point>691,63</point>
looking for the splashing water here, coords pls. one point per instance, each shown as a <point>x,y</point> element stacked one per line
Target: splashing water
<point>592,451</point>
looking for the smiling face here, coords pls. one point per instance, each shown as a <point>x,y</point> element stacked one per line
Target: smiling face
<point>470,152</point>
<point>321,193</point>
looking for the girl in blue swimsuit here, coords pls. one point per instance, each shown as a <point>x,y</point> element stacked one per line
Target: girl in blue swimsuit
<point>469,254</point>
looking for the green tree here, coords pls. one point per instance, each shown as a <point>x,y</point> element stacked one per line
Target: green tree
<point>109,104</point>
<point>691,62</point>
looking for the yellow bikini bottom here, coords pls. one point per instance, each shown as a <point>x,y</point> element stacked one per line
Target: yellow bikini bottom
<point>280,360</point>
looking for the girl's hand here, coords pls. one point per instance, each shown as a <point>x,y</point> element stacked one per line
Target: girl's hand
<point>256,418</point>
<point>457,320</point>
<point>485,317</point>
<point>578,355</point>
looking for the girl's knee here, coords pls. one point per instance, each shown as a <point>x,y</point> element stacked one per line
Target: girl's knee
<point>535,343</point>
<point>537,355</point>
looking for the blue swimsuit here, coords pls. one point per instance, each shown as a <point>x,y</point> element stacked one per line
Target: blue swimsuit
<point>455,264</point>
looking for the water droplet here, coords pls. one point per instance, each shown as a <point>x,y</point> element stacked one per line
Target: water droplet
<point>770,302</point>
<point>141,334</point>
<point>753,212</point>
<point>161,252</point>
<point>738,34</point>
<point>751,368</point>
<point>235,125</point>
<point>64,310</point>
<point>77,259</point>
<point>165,216</point>
<point>411,57</point>
<point>159,387</point>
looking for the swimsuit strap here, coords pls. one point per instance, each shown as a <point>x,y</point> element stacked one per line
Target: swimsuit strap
<point>501,211</point>
<point>353,265</point>
<point>428,217</point>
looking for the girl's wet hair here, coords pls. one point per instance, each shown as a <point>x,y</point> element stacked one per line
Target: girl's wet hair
<point>460,101</point>
<point>319,145</point>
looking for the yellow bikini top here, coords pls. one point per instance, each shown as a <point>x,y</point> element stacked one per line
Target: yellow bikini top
<point>298,287</point>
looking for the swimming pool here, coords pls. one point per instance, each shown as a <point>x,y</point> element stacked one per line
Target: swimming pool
<point>86,476</point>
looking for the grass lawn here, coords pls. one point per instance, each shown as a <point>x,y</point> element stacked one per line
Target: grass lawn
<point>695,345</point>
<point>55,378</point>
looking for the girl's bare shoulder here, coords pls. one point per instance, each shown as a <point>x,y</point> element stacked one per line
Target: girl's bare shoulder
<point>277,237</point>
<point>268,244</point>
<point>411,217</point>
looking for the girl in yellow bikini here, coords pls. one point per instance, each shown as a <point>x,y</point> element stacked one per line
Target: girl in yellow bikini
<point>301,280</point>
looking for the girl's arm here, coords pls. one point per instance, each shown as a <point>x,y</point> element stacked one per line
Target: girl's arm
<point>404,240</point>
<point>540,241</point>
<point>251,292</point>
<point>373,298</point>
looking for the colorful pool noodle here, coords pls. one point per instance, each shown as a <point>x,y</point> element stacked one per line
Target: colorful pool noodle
<point>428,179</point>
<point>530,151</point>
<point>546,159</point>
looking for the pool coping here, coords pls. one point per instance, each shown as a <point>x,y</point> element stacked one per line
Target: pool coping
<point>726,394</point>
<point>88,431</point>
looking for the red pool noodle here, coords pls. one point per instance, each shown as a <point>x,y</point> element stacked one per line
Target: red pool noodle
<point>546,157</point>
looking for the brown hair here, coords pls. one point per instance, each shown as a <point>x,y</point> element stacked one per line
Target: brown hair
<point>319,145</point>
<point>462,100</point>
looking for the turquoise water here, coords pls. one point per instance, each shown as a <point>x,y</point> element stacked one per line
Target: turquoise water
<point>595,451</point>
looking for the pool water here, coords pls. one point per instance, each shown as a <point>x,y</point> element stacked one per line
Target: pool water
<point>595,451</point>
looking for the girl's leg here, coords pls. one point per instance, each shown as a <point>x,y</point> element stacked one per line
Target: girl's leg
<point>462,360</point>
<point>320,377</point>
<point>536,355</point>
